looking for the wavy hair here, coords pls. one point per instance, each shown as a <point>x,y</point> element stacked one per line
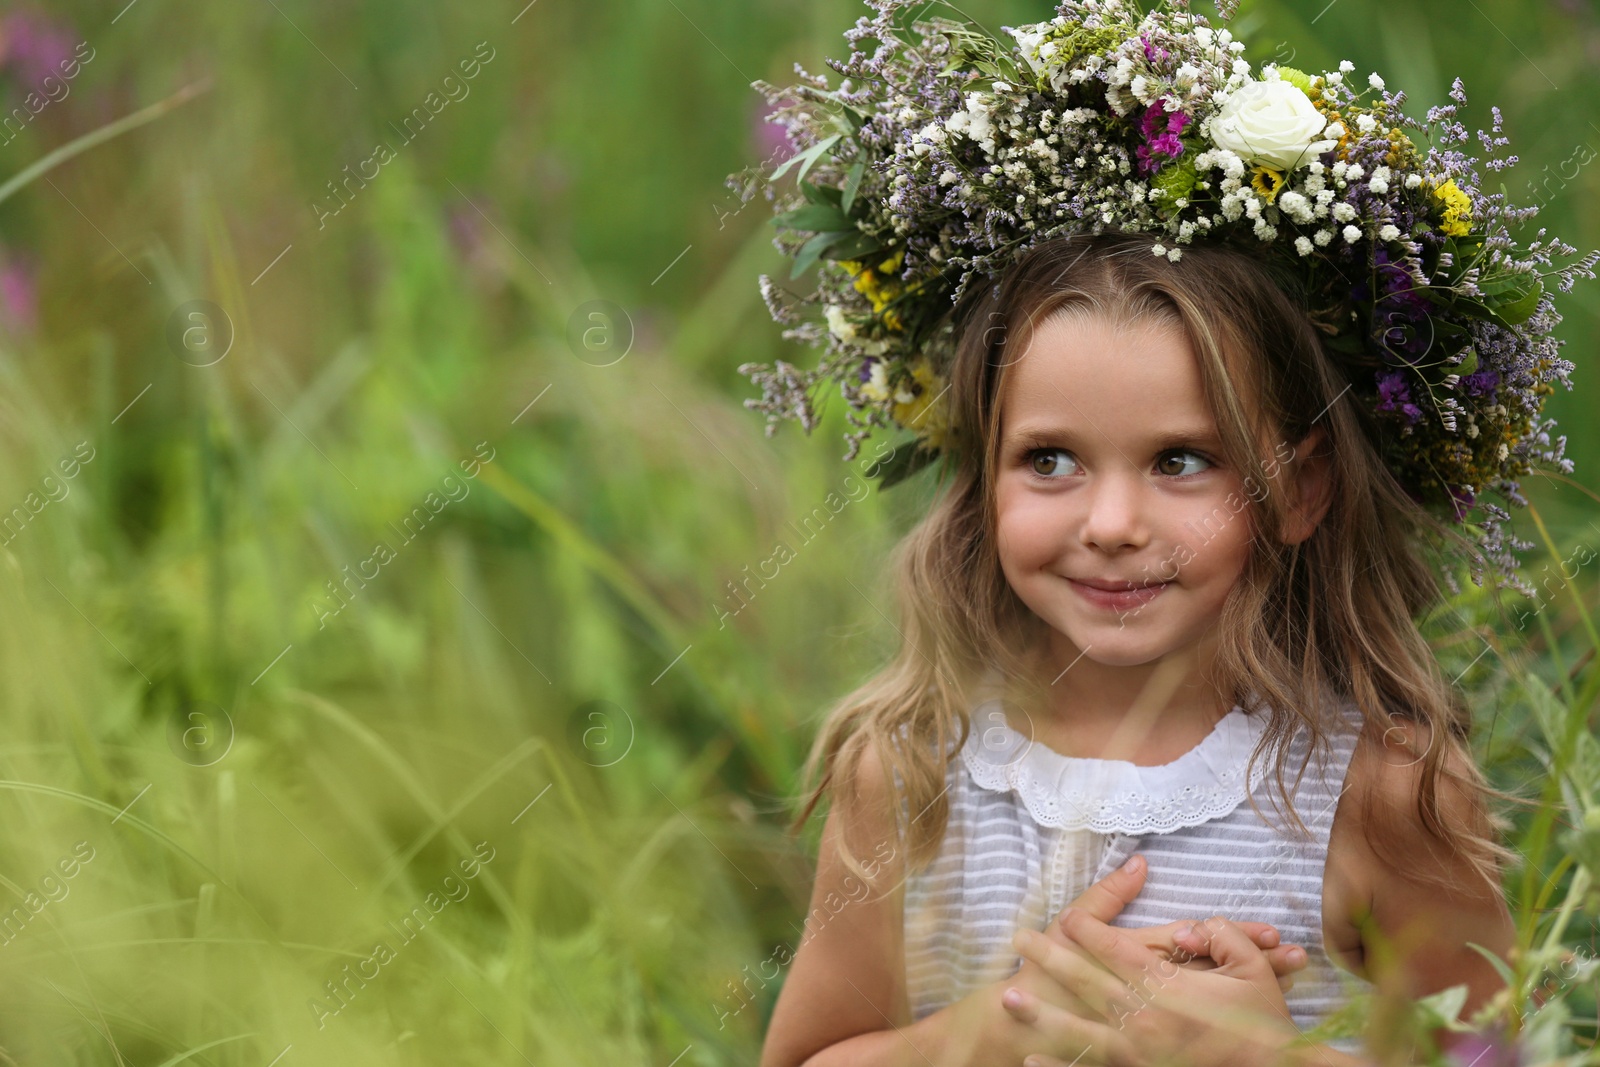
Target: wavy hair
<point>1328,620</point>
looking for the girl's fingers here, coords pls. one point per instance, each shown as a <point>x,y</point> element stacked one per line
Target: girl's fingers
<point>1023,1005</point>
<point>1081,1040</point>
<point>1232,948</point>
<point>1285,959</point>
<point>1071,970</point>
<point>1264,934</point>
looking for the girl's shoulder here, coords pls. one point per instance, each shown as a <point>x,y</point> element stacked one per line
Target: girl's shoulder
<point>1393,803</point>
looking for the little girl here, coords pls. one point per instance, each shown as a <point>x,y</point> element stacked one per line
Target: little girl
<point>1218,358</point>
<point>1170,561</point>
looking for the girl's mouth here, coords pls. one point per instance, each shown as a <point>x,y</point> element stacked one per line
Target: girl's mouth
<point>1117,596</point>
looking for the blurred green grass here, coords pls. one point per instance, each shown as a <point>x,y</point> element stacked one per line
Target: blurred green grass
<point>545,668</point>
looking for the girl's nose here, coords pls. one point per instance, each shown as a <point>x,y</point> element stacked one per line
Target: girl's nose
<point>1115,515</point>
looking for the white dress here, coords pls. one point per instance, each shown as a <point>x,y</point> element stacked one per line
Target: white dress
<point>1030,829</point>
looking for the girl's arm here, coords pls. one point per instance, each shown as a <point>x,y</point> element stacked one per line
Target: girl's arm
<point>844,1003</point>
<point>845,984</point>
<point>1415,933</point>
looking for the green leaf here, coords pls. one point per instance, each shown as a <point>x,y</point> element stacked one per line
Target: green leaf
<point>820,194</point>
<point>812,249</point>
<point>905,462</point>
<point>1583,844</point>
<point>1516,312</point>
<point>1467,365</point>
<point>1500,966</point>
<point>1443,1008</point>
<point>808,157</point>
<point>857,245</point>
<point>1347,342</point>
<point>814,218</point>
<point>852,185</point>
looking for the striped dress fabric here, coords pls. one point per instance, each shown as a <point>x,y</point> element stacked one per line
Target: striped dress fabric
<point>1031,829</point>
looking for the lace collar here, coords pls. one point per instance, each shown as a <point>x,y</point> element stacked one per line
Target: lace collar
<point>1116,796</point>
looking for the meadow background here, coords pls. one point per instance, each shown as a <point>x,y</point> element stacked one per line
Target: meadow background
<point>255,781</point>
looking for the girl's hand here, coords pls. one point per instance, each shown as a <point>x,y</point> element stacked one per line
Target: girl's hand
<point>1105,900</point>
<point>1147,1008</point>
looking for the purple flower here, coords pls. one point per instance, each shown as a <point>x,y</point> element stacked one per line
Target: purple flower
<point>35,45</point>
<point>19,297</point>
<point>1395,395</point>
<point>1400,315</point>
<point>1480,383</point>
<point>1489,1049</point>
<point>1161,128</point>
<point>769,137</point>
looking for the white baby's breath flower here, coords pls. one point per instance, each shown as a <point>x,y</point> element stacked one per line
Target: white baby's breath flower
<point>1366,123</point>
<point>1159,249</point>
<point>1346,66</point>
<point>1413,180</point>
<point>1241,66</point>
<point>1333,78</point>
<point>1302,245</point>
<point>1295,205</point>
<point>1322,237</point>
<point>1351,234</point>
<point>1375,81</point>
<point>1174,254</point>
<point>1390,232</point>
<point>1343,212</point>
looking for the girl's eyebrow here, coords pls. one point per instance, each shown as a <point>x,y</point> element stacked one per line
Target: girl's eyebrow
<point>1182,436</point>
<point>1179,437</point>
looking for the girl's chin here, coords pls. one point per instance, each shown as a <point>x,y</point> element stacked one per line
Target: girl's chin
<point>1111,644</point>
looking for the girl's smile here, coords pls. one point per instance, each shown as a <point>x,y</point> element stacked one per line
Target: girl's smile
<point>1117,595</point>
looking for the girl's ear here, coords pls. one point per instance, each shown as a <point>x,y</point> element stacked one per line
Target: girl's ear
<point>1309,485</point>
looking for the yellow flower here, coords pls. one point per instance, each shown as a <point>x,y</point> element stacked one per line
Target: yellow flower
<point>1457,209</point>
<point>879,285</point>
<point>1267,181</point>
<point>924,407</point>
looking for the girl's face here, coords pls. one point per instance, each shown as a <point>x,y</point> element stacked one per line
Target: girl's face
<point>1119,524</point>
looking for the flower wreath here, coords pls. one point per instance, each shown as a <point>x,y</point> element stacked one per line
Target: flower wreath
<point>946,153</point>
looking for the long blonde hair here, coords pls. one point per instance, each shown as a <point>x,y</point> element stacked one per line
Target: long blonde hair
<point>1329,619</point>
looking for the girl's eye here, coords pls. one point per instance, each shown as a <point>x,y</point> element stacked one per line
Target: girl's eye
<point>1165,464</point>
<point>1044,462</point>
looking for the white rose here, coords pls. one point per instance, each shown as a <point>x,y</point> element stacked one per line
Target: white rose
<point>1270,123</point>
